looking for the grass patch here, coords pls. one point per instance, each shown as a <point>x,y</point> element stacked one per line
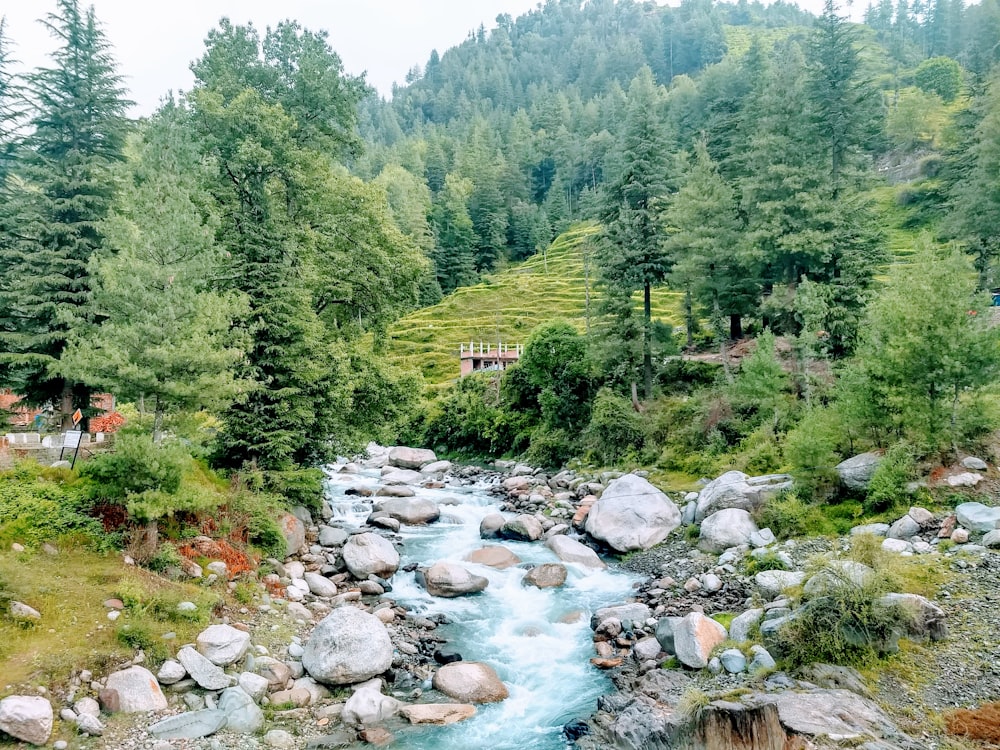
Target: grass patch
<point>725,619</point>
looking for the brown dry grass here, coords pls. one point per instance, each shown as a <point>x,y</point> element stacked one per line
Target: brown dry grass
<point>981,723</point>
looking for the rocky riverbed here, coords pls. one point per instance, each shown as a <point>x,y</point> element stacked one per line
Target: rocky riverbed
<point>437,606</point>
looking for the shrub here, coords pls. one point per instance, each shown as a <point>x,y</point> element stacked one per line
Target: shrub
<point>615,428</point>
<point>550,448</point>
<point>788,516</point>
<point>754,564</point>
<point>811,448</point>
<point>35,508</point>
<point>888,484</point>
<point>981,723</point>
<point>137,465</point>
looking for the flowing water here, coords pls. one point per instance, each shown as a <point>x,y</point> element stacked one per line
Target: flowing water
<point>538,641</point>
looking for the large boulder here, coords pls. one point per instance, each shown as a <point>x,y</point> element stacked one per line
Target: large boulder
<point>978,517</point>
<point>367,554</point>
<point>636,612</point>
<point>411,458</point>
<point>571,551</point>
<point>726,528</point>
<point>393,476</point>
<point>856,472</point>
<point>734,489</point>
<point>494,556</point>
<point>136,690</point>
<point>347,646</point>
<point>449,580</point>
<point>470,682</point>
<point>413,512</point>
<point>694,638</point>
<point>437,467</point>
<point>368,706</point>
<point>202,671</point>
<point>771,583</point>
<point>27,718</point>
<point>223,644</point>
<point>243,716</point>
<point>522,528</point>
<point>294,532</point>
<point>546,576</point>
<point>834,713</point>
<point>632,515</point>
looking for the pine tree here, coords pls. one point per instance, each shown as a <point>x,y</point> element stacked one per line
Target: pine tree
<point>632,255</point>
<point>456,238</point>
<point>78,133</point>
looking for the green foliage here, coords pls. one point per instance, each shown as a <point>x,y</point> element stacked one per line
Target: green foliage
<point>615,430</point>
<point>941,76</point>
<point>463,420</point>
<point>551,448</point>
<point>790,517</point>
<point>888,484</point>
<point>137,465</point>
<point>754,564</point>
<point>38,506</point>
<point>811,448</point>
<point>558,383</point>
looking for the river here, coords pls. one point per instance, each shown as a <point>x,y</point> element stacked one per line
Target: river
<point>538,641</point>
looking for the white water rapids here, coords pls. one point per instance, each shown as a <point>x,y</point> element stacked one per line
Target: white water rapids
<point>538,641</point>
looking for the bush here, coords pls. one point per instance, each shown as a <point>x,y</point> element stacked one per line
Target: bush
<point>811,449</point>
<point>550,448</point>
<point>790,517</point>
<point>35,508</point>
<point>615,428</point>
<point>888,484</point>
<point>137,465</point>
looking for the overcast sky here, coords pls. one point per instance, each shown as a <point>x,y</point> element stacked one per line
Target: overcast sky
<point>155,40</point>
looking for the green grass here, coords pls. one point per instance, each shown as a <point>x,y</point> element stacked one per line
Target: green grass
<point>508,305</point>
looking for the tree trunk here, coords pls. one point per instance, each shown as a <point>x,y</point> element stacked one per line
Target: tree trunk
<point>647,342</point>
<point>150,540</point>
<point>735,327</point>
<point>66,407</point>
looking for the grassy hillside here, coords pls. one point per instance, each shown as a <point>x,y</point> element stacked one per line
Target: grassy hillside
<point>507,306</point>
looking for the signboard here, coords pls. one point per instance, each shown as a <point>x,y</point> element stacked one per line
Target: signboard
<point>77,416</point>
<point>72,439</point>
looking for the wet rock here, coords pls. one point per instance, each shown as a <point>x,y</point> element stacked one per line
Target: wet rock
<point>411,458</point>
<point>470,682</point>
<point>695,635</point>
<point>370,554</point>
<point>632,514</point>
<point>27,717</point>
<point>398,491</point>
<point>449,580</point>
<point>726,528</point>
<point>436,467</point>
<point>368,706</point>
<point>223,644</point>
<point>135,690</point>
<point>438,713</point>
<point>572,551</point>
<point>494,556</point>
<point>522,528</point>
<point>392,476</point>
<point>489,527</point>
<point>411,512</point>
<point>347,646</point>
<point>546,576</point>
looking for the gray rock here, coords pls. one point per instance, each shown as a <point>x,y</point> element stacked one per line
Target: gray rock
<point>740,627</point>
<point>898,546</point>
<point>965,479</point>
<point>727,528</point>
<point>87,706</point>
<point>412,512</point>
<point>992,539</point>
<point>665,633</point>
<point>450,580</point>
<point>391,476</point>
<point>89,725</point>
<point>632,514</point>
<point>370,554</point>
<point>347,646</point>
<point>875,529</point>
<point>711,583</point>
<point>923,619</point>
<point>436,467</point>
<point>489,527</point>
<point>733,660</point>
<point>321,585</point>
<point>223,644</point>
<point>634,612</point>
<point>904,528</point>
<point>922,516</point>
<point>835,574</point>
<point>330,536</point>
<point>571,551</point>
<point>400,491</point>
<point>243,715</point>
<point>771,583</point>
<point>470,682</point>
<point>27,717</point>
<point>202,671</point>
<point>170,672</point>
<point>695,635</point>
<point>190,725</point>
<point>545,576</point>
<point>137,689</point>
<point>975,464</point>
<point>734,489</point>
<point>368,706</point>
<point>762,538</point>
<point>856,472</point>
<point>835,677</point>
<point>494,556</point>
<point>254,685</point>
<point>280,739</point>
<point>24,613</point>
<point>411,458</point>
<point>977,517</point>
<point>834,713</point>
<point>762,660</point>
<point>523,528</point>
<point>294,532</point>
<point>646,649</point>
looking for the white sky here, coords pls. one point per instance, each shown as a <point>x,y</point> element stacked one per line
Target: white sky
<point>155,40</point>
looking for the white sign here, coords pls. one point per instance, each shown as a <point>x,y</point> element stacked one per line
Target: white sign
<point>72,439</point>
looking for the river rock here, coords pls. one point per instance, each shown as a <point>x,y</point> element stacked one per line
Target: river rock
<point>742,625</point>
<point>495,556</point>
<point>223,644</point>
<point>835,574</point>
<point>370,554</point>
<point>695,635</point>
<point>330,536</point>
<point>136,690</point>
<point>665,633</point>
<point>923,619</point>
<point>856,472</point>
<point>391,477</point>
<point>470,682</point>
<point>977,517</point>
<point>975,464</point>
<point>733,660</point>
<point>632,514</point>
<point>449,580</point>
<point>190,725</point>
<point>411,512</point>
<point>438,713</point>
<point>171,671</point>
<point>320,585</point>
<point>734,489</point>
<point>904,528</point>
<point>522,528</point>
<point>395,490</point>
<point>294,532</point>
<point>368,706</point>
<point>771,583</point>
<point>727,528</point>
<point>489,527</point>
<point>202,671</point>
<point>634,612</point>
<point>572,551</point>
<point>546,576</point>
<point>436,467</point>
<point>28,718</point>
<point>347,646</point>
<point>411,458</point>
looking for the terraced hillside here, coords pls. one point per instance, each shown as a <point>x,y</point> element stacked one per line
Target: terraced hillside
<point>507,306</point>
